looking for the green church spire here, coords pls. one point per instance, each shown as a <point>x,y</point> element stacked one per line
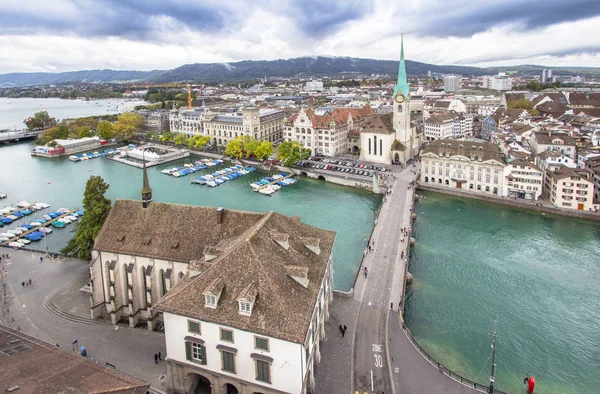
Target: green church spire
<point>402,83</point>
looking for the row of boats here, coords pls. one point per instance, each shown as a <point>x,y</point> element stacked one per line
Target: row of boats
<point>192,168</point>
<point>39,226</point>
<point>10,214</point>
<point>227,174</point>
<point>271,184</point>
<point>94,155</point>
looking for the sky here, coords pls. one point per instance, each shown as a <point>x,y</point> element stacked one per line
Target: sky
<point>66,35</point>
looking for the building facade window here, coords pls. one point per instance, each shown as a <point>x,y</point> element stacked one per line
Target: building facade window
<point>195,352</point>
<point>211,300</point>
<point>263,371</point>
<point>226,335</point>
<point>194,327</point>
<point>228,361</point>
<point>245,307</point>
<point>261,343</point>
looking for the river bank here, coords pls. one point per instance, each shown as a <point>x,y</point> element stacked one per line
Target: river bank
<point>546,207</point>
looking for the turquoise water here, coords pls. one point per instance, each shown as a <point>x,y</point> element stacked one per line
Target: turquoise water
<point>350,212</point>
<point>538,276</point>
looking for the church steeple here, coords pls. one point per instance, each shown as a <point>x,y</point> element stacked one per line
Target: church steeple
<point>402,83</point>
<point>146,189</point>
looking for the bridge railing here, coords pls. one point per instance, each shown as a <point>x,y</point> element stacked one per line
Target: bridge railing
<point>446,371</point>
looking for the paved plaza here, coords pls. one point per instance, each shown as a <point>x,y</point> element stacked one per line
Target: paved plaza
<point>54,309</point>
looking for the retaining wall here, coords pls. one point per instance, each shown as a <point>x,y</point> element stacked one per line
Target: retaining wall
<point>512,203</point>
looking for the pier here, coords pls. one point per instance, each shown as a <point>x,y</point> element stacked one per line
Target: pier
<point>274,182</point>
<point>48,223</point>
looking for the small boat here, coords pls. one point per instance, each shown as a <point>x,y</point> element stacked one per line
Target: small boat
<point>15,232</point>
<point>23,204</point>
<point>15,244</point>
<point>4,239</point>
<point>9,235</point>
<point>2,195</point>
<point>47,217</point>
<point>65,220</point>
<point>24,241</point>
<point>46,230</point>
<point>35,224</point>
<point>58,224</point>
<point>74,158</point>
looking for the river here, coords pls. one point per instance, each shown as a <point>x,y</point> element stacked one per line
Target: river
<point>60,182</point>
<point>537,275</point>
<point>14,111</point>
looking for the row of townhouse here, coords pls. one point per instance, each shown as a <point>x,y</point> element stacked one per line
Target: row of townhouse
<point>329,134</point>
<point>448,125</point>
<point>482,167</point>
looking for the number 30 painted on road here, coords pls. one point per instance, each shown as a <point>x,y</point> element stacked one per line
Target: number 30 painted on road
<point>378,360</point>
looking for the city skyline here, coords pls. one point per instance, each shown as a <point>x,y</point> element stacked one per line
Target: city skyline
<point>66,35</point>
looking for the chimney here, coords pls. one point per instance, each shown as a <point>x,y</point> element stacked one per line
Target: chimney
<point>220,212</point>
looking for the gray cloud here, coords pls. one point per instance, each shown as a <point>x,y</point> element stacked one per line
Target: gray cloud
<point>467,19</point>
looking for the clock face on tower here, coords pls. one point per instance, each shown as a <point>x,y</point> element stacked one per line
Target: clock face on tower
<point>399,98</point>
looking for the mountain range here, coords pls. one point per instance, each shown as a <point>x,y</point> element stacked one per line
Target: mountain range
<point>248,70</point>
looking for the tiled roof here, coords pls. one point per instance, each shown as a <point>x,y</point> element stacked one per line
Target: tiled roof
<point>552,108</point>
<point>514,96</point>
<point>592,99</point>
<point>39,367</point>
<point>442,118</point>
<point>256,266</point>
<point>379,124</point>
<point>193,227</point>
<point>488,151</point>
<point>546,138</point>
<point>340,116</point>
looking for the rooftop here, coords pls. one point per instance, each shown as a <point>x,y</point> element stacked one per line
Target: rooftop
<point>277,262</point>
<point>36,366</point>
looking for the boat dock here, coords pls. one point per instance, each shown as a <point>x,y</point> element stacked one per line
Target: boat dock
<point>266,186</point>
<point>37,228</point>
<point>151,154</point>
<point>19,209</point>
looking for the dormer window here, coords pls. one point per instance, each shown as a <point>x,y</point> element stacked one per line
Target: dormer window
<point>121,239</point>
<point>210,300</point>
<point>245,307</point>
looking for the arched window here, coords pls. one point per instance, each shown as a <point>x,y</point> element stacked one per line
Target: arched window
<point>380,147</point>
<point>369,146</point>
<point>487,188</point>
<point>375,145</point>
<point>144,287</point>
<point>426,179</point>
<point>447,183</point>
<point>399,108</point>
<point>163,282</point>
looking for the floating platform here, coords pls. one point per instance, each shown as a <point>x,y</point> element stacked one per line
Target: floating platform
<point>151,154</point>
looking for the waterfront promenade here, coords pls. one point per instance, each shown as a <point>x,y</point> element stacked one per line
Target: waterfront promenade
<point>375,355</point>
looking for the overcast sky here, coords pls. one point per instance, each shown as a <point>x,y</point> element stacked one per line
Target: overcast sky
<point>63,35</point>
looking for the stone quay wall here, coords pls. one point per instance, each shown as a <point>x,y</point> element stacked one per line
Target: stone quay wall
<point>511,202</point>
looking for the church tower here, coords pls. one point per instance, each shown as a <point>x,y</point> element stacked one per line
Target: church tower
<point>401,103</point>
<point>146,189</point>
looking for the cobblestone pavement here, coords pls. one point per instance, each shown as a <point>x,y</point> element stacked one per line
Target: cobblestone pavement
<point>52,310</point>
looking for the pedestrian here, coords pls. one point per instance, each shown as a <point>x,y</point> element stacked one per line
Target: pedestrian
<point>391,305</point>
<point>364,252</point>
<point>341,329</point>
<point>23,284</point>
<point>41,259</point>
<point>159,356</point>
<point>343,332</point>
<point>155,358</point>
<point>29,282</point>
<point>345,328</point>
<point>366,272</point>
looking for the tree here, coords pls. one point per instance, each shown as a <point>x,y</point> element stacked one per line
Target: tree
<point>523,104</point>
<point>198,141</point>
<point>127,126</point>
<point>235,147</point>
<point>166,137</point>
<point>96,208</point>
<point>105,130</point>
<point>180,139</point>
<point>264,149</point>
<point>250,145</point>
<point>290,152</point>
<point>40,120</point>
